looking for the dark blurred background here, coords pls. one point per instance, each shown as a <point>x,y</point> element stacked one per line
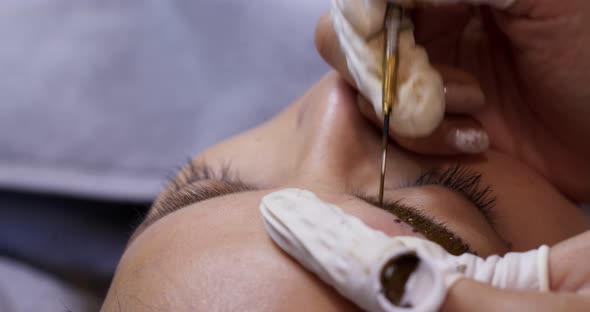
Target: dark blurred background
<point>102,100</point>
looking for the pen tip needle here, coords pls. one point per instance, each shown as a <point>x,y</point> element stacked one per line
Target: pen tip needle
<point>384,145</point>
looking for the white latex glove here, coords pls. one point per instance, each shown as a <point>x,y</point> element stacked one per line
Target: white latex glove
<point>421,101</point>
<point>358,261</point>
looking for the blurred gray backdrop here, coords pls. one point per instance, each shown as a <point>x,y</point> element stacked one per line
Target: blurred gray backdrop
<point>106,98</point>
<point>101,100</point>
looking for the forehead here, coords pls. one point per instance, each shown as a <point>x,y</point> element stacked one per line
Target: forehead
<point>194,257</point>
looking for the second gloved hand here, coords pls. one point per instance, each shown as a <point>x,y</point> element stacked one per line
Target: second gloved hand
<point>381,273</point>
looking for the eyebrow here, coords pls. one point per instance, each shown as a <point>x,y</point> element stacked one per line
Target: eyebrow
<point>432,229</point>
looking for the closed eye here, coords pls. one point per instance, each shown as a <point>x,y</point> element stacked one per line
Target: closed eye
<point>464,181</point>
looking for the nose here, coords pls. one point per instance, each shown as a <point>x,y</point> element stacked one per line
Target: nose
<point>340,144</point>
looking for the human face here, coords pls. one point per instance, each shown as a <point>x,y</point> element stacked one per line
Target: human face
<point>203,246</point>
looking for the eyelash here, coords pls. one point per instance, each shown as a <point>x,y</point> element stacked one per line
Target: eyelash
<point>212,183</point>
<point>193,173</point>
<point>464,181</point>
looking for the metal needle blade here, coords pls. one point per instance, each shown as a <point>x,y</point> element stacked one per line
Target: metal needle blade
<point>384,146</point>
<point>392,26</point>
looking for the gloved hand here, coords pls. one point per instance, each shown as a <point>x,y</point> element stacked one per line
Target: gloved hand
<point>380,273</point>
<point>515,74</point>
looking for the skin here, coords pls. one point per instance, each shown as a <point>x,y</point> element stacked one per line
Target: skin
<point>519,74</point>
<point>216,256</point>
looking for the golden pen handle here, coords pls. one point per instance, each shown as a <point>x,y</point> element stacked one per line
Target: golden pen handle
<point>393,20</point>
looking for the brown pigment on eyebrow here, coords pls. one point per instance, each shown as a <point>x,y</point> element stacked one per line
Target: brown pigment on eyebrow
<point>437,233</point>
<point>432,230</point>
